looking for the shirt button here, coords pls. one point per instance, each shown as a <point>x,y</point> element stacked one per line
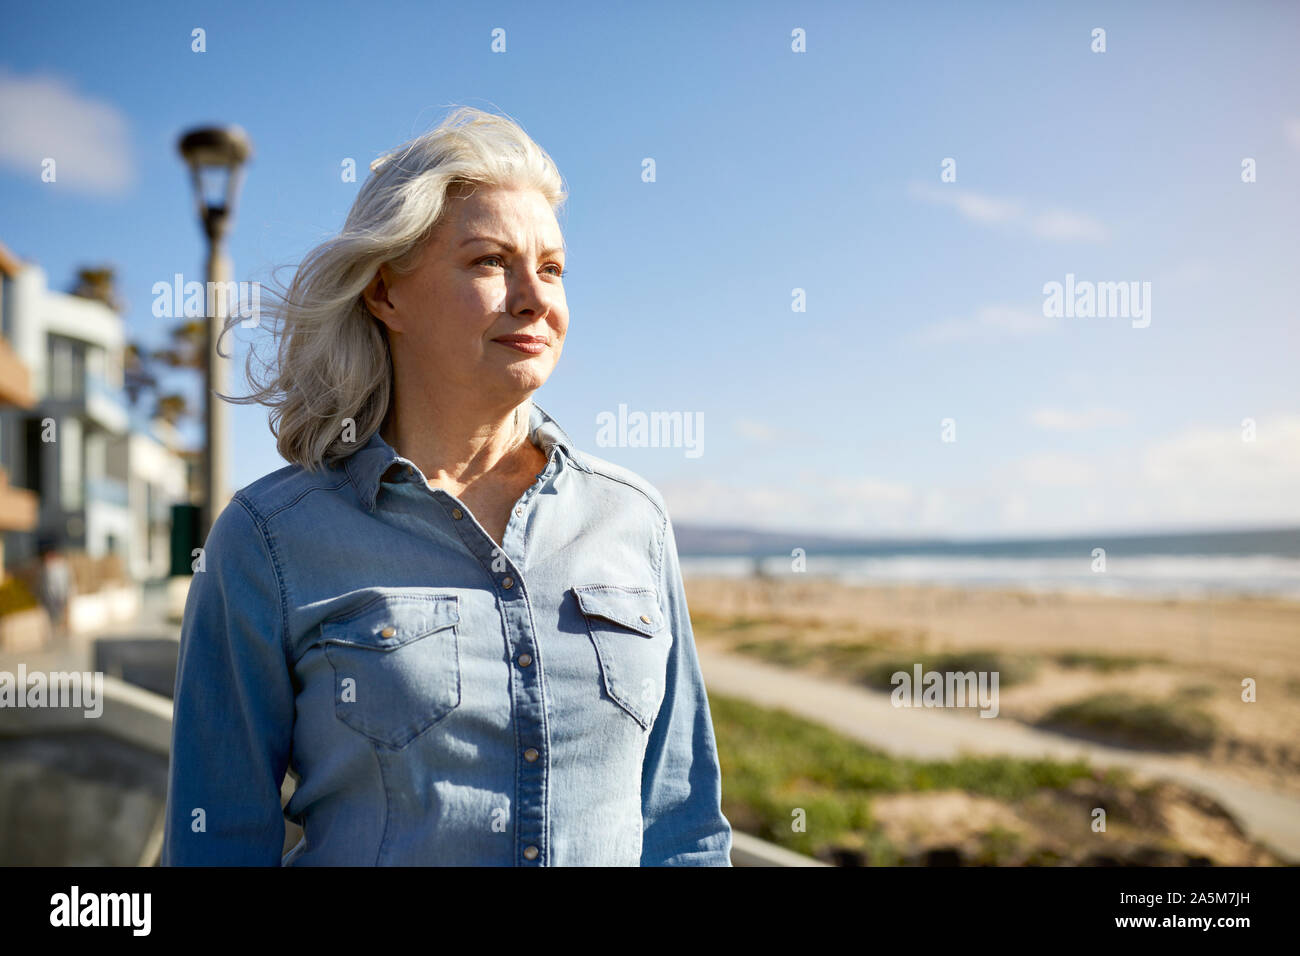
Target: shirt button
<point>519,511</point>
<point>508,583</point>
<point>646,618</point>
<point>530,754</point>
<point>388,631</point>
<point>457,513</point>
<point>525,660</point>
<point>530,853</point>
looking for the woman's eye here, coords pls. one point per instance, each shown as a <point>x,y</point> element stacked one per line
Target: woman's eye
<point>559,273</point>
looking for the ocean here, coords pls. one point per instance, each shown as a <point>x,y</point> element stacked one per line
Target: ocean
<point>1234,563</point>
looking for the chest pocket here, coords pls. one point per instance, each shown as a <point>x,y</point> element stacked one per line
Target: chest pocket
<point>396,665</point>
<point>632,643</point>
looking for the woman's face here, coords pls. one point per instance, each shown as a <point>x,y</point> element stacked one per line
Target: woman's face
<point>490,274</point>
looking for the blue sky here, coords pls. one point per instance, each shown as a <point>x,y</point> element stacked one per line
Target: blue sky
<point>776,171</point>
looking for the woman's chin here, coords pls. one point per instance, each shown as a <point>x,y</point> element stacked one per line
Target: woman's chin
<point>528,376</point>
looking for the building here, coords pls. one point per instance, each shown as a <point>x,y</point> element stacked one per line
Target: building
<point>17,505</point>
<point>105,478</point>
<point>158,476</point>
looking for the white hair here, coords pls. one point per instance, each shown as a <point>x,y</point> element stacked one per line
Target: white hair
<point>333,361</point>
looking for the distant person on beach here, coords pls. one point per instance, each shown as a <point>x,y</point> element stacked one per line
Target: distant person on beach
<point>55,589</point>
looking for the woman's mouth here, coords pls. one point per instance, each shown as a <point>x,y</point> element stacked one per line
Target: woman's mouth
<point>528,344</point>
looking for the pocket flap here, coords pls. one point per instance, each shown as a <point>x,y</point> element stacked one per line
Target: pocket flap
<point>634,608</point>
<point>390,621</point>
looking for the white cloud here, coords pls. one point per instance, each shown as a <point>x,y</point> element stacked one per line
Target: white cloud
<point>1064,225</point>
<point>936,509</point>
<point>989,322</point>
<point>808,500</point>
<point>972,205</point>
<point>1054,223</point>
<point>1220,458</point>
<point>1056,471</point>
<point>43,117</point>
<point>1197,478</point>
<point>1015,509</point>
<point>1059,419</point>
<point>758,431</point>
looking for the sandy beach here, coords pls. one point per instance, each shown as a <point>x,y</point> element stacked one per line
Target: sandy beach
<point>1192,652</point>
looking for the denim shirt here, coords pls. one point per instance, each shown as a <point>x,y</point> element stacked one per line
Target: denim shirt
<point>442,701</point>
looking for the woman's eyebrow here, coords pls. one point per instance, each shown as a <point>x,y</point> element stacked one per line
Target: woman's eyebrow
<point>507,245</point>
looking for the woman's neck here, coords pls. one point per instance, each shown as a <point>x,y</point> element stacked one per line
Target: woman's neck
<point>454,445</point>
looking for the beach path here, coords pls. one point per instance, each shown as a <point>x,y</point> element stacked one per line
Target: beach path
<point>934,734</point>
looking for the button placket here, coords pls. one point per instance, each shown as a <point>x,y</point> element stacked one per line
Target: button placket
<point>541,477</point>
<point>527,703</point>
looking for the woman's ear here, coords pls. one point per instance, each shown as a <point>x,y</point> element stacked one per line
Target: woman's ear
<point>375,295</point>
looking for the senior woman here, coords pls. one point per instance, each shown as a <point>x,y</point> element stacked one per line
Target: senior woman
<point>467,639</point>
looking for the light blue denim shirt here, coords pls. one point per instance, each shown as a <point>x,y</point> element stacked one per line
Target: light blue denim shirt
<point>443,701</point>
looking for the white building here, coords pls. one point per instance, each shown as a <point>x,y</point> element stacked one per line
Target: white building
<point>105,478</point>
<point>157,478</point>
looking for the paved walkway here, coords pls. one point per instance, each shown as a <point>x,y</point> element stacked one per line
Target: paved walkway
<point>933,734</point>
<point>77,653</point>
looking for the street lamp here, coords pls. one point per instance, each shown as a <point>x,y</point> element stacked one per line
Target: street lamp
<point>215,155</point>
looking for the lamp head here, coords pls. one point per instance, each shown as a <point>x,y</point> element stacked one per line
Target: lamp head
<point>215,155</point>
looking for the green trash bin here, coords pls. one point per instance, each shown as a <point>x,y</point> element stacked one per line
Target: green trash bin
<point>185,538</point>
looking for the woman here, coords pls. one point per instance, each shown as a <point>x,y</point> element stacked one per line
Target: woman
<point>467,639</point>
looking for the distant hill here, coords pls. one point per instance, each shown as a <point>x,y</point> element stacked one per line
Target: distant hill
<point>705,540</point>
<point>702,541</point>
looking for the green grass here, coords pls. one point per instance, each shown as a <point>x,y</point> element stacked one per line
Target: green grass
<point>774,762</point>
<point>873,661</point>
<point>706,624</point>
<point>1011,668</point>
<point>1173,724</point>
<point>781,653</point>
<point>1105,663</point>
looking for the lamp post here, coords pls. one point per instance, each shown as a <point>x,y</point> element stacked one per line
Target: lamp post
<point>215,156</point>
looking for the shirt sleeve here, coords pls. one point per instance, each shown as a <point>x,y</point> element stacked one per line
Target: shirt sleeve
<point>233,706</point>
<point>681,784</point>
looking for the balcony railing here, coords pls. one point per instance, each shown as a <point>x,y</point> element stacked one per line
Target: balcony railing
<point>106,404</point>
<point>92,396</point>
<point>109,491</point>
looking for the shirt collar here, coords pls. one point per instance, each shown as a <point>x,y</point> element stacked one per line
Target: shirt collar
<point>368,464</point>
